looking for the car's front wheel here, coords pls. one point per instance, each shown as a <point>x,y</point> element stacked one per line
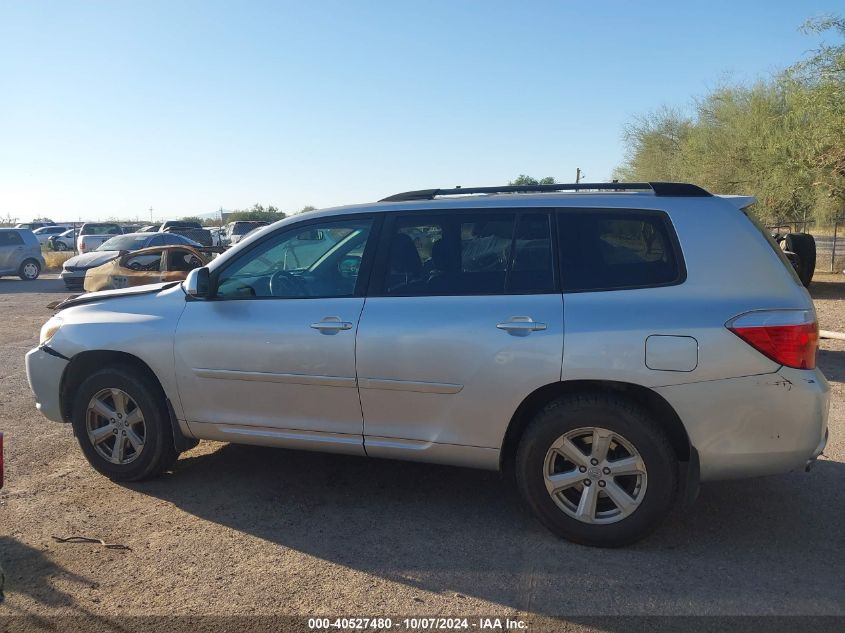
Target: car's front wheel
<point>121,422</point>
<point>597,470</point>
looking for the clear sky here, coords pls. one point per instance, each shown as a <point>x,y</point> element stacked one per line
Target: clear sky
<point>110,108</point>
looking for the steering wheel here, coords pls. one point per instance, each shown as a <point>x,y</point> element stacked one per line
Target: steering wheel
<point>134,266</point>
<point>285,284</point>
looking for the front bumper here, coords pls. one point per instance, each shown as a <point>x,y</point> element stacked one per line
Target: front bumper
<point>73,278</point>
<point>44,372</point>
<point>754,425</point>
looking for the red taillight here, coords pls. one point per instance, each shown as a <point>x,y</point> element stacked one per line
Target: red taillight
<point>771,333</point>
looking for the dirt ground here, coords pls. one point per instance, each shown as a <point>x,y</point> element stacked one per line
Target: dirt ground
<point>239,530</point>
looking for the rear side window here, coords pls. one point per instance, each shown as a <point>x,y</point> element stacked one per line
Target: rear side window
<point>10,238</point>
<point>767,235</point>
<point>612,250</point>
<point>469,254</point>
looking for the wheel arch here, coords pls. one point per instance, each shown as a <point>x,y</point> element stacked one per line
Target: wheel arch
<point>85,363</point>
<point>650,400</point>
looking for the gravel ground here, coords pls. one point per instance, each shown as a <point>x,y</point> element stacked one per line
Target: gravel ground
<point>239,530</point>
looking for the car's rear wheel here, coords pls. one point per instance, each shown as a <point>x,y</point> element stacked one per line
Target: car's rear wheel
<point>60,246</point>
<point>29,270</point>
<point>597,470</point>
<point>121,422</point>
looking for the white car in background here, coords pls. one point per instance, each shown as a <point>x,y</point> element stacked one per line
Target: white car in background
<point>64,241</point>
<point>46,232</point>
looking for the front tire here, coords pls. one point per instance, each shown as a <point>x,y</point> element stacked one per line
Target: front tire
<point>29,270</point>
<point>597,470</point>
<point>121,422</point>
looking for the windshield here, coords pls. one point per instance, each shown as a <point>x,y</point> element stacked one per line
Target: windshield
<point>124,243</point>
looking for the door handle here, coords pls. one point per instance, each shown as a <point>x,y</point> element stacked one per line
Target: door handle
<point>521,325</point>
<point>331,324</point>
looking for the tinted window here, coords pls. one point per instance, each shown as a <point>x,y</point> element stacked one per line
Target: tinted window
<point>148,262</point>
<point>101,229</point>
<point>606,250</point>
<point>461,254</point>
<point>10,238</point>
<point>315,261</point>
<point>183,261</point>
<point>129,242</point>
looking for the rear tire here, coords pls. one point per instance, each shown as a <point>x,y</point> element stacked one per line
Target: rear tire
<point>29,270</point>
<point>583,500</point>
<point>106,412</point>
<point>804,246</point>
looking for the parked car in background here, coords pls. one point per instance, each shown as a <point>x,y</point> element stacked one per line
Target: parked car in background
<point>74,269</point>
<point>92,234</point>
<point>44,233</point>
<point>235,231</point>
<point>20,254</point>
<point>64,241</point>
<point>199,235</point>
<point>218,236</point>
<point>181,223</point>
<point>31,225</point>
<point>131,228</point>
<point>150,228</point>
<point>146,266</point>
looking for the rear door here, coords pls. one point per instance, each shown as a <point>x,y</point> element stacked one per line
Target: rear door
<point>463,320</point>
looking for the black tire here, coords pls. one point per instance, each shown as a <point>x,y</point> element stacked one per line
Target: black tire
<point>621,417</point>
<point>158,453</point>
<point>26,266</point>
<point>61,246</point>
<point>804,246</point>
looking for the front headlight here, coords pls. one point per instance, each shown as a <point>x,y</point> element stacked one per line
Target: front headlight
<point>49,329</point>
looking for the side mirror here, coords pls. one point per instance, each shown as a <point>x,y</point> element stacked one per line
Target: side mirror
<point>196,284</point>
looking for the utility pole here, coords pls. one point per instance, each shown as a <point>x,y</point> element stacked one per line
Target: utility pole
<point>577,175</point>
<point>151,215</point>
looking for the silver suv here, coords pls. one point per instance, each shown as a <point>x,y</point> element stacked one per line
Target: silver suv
<point>595,345</point>
<point>20,254</point>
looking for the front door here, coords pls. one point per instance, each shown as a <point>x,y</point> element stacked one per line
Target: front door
<point>463,322</point>
<point>272,355</point>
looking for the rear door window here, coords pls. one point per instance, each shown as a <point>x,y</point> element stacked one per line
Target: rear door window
<point>614,250</point>
<point>468,254</point>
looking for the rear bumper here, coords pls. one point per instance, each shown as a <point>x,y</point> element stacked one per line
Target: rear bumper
<point>755,425</point>
<point>44,373</point>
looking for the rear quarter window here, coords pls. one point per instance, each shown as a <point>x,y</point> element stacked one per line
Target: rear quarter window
<point>767,235</point>
<point>617,249</point>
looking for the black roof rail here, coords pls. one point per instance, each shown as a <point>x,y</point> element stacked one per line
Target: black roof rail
<point>676,189</point>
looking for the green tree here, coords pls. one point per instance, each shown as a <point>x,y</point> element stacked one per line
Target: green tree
<point>781,139</point>
<point>258,212</point>
<point>522,179</point>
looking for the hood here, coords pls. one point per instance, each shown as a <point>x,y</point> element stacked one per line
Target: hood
<point>92,297</point>
<point>89,260</point>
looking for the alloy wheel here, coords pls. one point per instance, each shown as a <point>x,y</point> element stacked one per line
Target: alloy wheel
<point>115,425</point>
<point>595,475</point>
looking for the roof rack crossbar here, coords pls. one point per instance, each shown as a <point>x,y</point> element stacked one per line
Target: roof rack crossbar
<point>676,189</point>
